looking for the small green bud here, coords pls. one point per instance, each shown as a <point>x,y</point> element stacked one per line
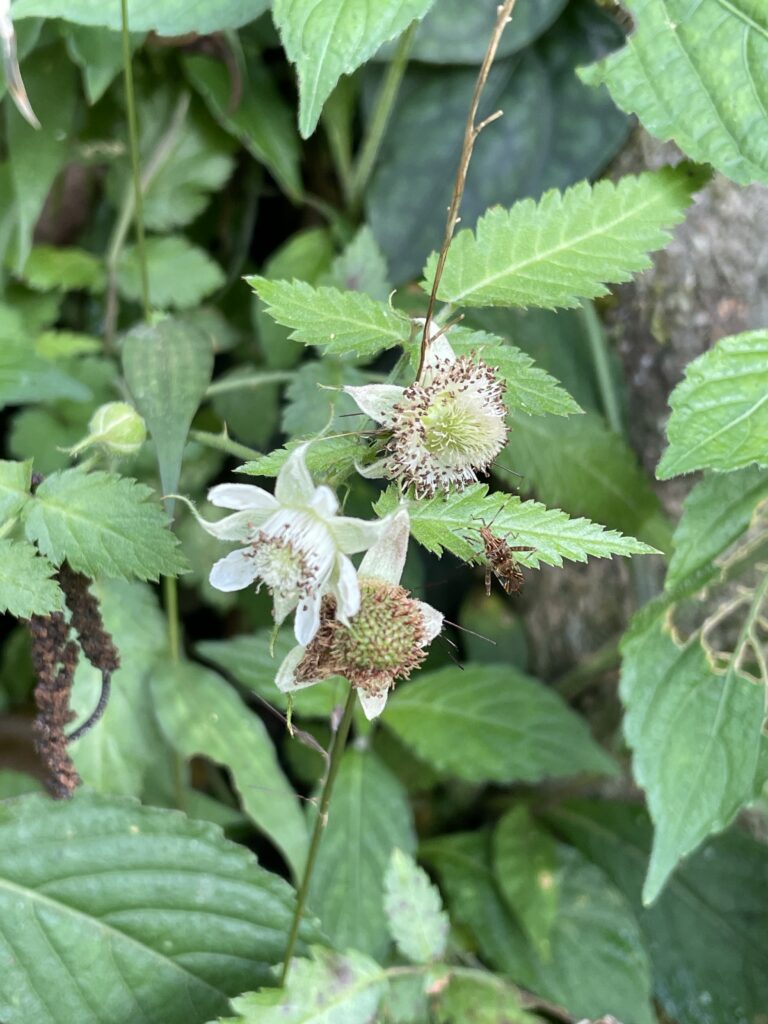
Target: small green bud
<point>117,428</point>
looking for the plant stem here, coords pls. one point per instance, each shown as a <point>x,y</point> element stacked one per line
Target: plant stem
<point>222,443</point>
<point>602,365</point>
<point>255,380</point>
<point>471,132</point>
<point>385,102</point>
<point>133,134</point>
<point>334,761</point>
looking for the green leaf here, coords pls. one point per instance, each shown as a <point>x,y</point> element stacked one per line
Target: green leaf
<point>126,744</point>
<point>414,910</point>
<point>481,998</point>
<point>567,246</point>
<point>48,267</point>
<point>528,875</point>
<point>706,933</point>
<point>339,322</point>
<point>202,716</point>
<point>695,738</point>
<point>13,784</point>
<point>720,409</point>
<point>15,483</point>
<point>598,964</point>
<point>103,524</point>
<point>180,274</point>
<point>261,122</point>
<point>455,32</point>
<point>26,587</point>
<point>332,38</point>
<point>554,131</point>
<point>666,75</point>
<point>98,52</point>
<point>452,523</point>
<point>312,406</point>
<point>142,913</point>
<point>57,345</point>
<point>328,458</point>
<point>490,723</point>
<point>36,157</point>
<point>530,389</point>
<point>169,18</point>
<point>25,377</point>
<point>715,514</point>
<point>581,465</point>
<point>362,267</point>
<point>167,367</point>
<point>332,988</point>
<point>368,818</point>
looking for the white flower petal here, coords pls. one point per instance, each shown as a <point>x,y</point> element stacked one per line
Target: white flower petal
<point>374,470</point>
<point>234,572</point>
<point>376,400</point>
<point>386,559</point>
<point>242,496</point>
<point>373,703</point>
<point>439,351</point>
<point>307,620</point>
<point>294,485</point>
<point>324,502</point>
<point>433,622</point>
<point>346,590</point>
<point>238,526</point>
<point>285,679</point>
<point>352,535</point>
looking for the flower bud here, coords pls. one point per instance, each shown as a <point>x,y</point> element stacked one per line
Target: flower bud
<point>117,428</point>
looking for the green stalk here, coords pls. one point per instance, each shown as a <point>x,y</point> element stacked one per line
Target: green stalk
<point>602,365</point>
<point>133,134</point>
<point>382,112</point>
<point>337,750</point>
<point>254,380</point>
<point>222,443</point>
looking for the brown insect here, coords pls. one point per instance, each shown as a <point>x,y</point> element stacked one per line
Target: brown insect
<point>500,559</point>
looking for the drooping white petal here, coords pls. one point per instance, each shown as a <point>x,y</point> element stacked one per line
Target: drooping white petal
<point>433,622</point>
<point>307,621</point>
<point>353,535</point>
<point>376,400</point>
<point>386,559</point>
<point>242,496</point>
<point>373,471</point>
<point>345,589</point>
<point>239,526</point>
<point>294,486</point>
<point>373,703</point>
<point>234,572</point>
<point>282,606</point>
<point>439,351</point>
<point>324,502</point>
<point>285,679</point>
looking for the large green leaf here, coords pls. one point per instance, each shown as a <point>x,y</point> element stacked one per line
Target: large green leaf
<point>715,514</point>
<point>369,816</point>
<point>36,157</point>
<point>103,524</point>
<point>169,18</point>
<point>26,587</point>
<point>330,38</point>
<point>126,744</point>
<point>598,961</point>
<point>168,367</point>
<point>554,131</point>
<point>202,716</point>
<point>452,523</point>
<point>708,932</point>
<point>180,274</point>
<point>569,245</point>
<point>695,738</point>
<point>417,921</point>
<point>331,988</point>
<point>261,121</point>
<point>666,75</point>
<point>490,723</point>
<point>720,410</point>
<point>115,912</point>
<point>340,322</point>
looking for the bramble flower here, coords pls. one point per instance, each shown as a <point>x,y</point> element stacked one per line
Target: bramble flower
<point>443,429</point>
<point>294,543</point>
<point>382,643</point>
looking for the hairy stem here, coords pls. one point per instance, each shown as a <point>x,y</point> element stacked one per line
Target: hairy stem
<point>252,380</point>
<point>382,112</point>
<point>471,132</point>
<point>133,135</point>
<point>334,761</point>
<point>223,443</point>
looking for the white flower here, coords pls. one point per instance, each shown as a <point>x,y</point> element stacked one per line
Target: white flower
<point>294,543</point>
<point>10,64</point>
<point>383,642</point>
<point>445,428</point>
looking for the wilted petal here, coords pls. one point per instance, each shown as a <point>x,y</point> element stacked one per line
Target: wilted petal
<point>307,620</point>
<point>386,559</point>
<point>374,470</point>
<point>285,679</point>
<point>324,502</point>
<point>373,703</point>
<point>352,535</point>
<point>242,496</point>
<point>376,400</point>
<point>234,572</point>
<point>433,622</point>
<point>294,486</point>
<point>345,589</point>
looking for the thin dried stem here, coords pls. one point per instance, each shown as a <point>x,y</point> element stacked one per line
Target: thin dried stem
<point>471,132</point>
